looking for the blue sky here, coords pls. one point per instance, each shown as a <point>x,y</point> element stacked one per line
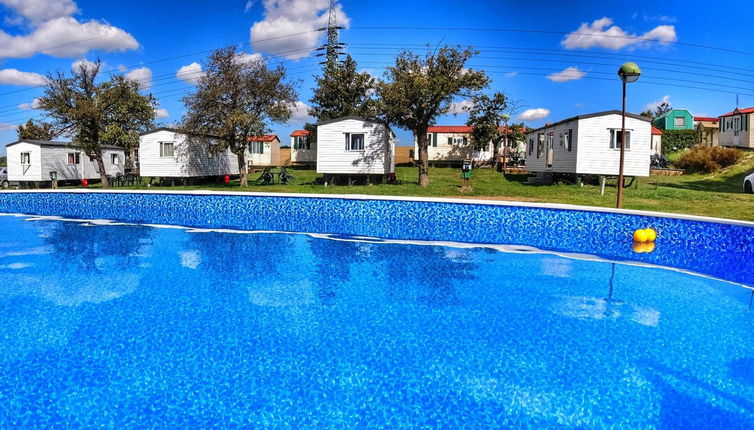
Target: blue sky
<point>562,64</point>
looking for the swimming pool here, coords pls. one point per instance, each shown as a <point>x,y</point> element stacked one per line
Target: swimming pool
<point>364,320</point>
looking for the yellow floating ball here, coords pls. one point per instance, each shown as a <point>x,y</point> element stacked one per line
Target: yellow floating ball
<point>640,236</point>
<point>638,247</point>
<point>651,234</point>
<point>649,247</point>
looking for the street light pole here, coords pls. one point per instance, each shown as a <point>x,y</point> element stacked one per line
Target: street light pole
<point>619,203</point>
<point>628,72</point>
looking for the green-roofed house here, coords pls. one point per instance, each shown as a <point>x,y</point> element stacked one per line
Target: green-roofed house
<point>676,119</point>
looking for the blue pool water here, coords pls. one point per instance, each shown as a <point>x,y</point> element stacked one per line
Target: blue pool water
<point>134,326</point>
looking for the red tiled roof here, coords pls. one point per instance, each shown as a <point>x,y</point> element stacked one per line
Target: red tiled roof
<point>656,131</point>
<point>263,138</point>
<point>449,129</point>
<point>706,118</point>
<point>299,133</point>
<point>453,129</point>
<point>737,111</point>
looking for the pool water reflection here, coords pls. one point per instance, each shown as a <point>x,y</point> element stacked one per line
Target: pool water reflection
<point>127,325</point>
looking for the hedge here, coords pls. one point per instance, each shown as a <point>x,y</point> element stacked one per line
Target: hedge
<point>675,140</point>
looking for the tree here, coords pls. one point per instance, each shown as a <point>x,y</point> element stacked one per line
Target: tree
<point>419,89</point>
<point>35,131</point>
<point>3,161</point>
<point>95,114</point>
<point>235,100</point>
<point>489,121</point>
<point>662,108</point>
<point>342,91</point>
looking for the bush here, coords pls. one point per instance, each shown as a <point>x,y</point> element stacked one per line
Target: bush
<point>675,140</point>
<point>708,159</point>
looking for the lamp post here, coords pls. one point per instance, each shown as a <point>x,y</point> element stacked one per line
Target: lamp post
<point>628,72</point>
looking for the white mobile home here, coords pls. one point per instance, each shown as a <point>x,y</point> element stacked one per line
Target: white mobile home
<point>263,151</point>
<point>167,153</point>
<point>590,145</point>
<point>450,144</point>
<point>303,149</point>
<point>355,146</point>
<point>34,160</point>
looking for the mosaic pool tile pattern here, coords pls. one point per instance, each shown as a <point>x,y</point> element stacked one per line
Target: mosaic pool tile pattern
<point>720,250</point>
<point>123,326</point>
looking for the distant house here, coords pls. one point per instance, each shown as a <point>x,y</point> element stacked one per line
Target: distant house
<point>167,153</point>
<point>709,130</point>
<point>735,128</point>
<point>675,119</point>
<point>34,160</point>
<point>303,150</point>
<point>656,145</point>
<point>590,145</point>
<point>263,151</point>
<point>450,145</point>
<point>355,146</point>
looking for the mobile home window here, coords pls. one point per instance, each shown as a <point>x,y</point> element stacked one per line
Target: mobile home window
<point>616,139</point>
<point>569,143</point>
<point>354,141</point>
<point>166,149</point>
<point>25,158</point>
<point>74,158</point>
<point>540,144</point>
<point>680,121</point>
<point>303,142</point>
<point>256,147</point>
<point>115,158</point>
<point>531,146</point>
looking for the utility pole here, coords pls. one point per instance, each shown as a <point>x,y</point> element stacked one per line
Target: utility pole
<point>332,47</point>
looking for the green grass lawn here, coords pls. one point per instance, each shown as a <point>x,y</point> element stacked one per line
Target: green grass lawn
<point>717,195</point>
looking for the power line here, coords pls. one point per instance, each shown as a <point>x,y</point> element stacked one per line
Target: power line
<point>518,30</point>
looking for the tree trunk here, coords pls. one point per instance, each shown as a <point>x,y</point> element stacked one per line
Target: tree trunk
<point>423,145</point>
<point>496,156</point>
<point>242,168</point>
<point>102,172</point>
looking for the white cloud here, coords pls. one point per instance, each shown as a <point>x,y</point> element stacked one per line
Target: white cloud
<point>30,106</point>
<point>249,5</point>
<point>653,105</point>
<point>282,18</point>
<point>510,74</point>
<point>41,10</point>
<point>461,107</point>
<point>190,74</point>
<point>4,126</point>
<point>569,74</point>
<point>601,33</point>
<point>245,57</point>
<point>66,37</point>
<point>161,113</point>
<point>17,77</point>
<point>142,75</point>
<point>300,113</point>
<point>534,114</point>
<point>89,64</point>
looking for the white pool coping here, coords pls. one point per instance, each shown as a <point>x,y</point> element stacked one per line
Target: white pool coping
<point>509,203</point>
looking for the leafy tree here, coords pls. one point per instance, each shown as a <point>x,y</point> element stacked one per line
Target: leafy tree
<point>235,100</point>
<point>95,114</point>
<point>35,131</point>
<point>3,161</point>
<point>489,121</point>
<point>419,89</point>
<point>342,91</point>
<point>659,110</point>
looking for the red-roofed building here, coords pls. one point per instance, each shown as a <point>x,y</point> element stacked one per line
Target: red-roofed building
<point>656,143</point>
<point>263,151</point>
<point>709,130</point>
<point>449,144</point>
<point>735,128</point>
<point>303,149</point>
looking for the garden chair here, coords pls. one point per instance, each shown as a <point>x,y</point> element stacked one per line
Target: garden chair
<point>266,178</point>
<point>284,177</point>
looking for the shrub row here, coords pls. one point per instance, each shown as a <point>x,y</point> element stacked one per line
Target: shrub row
<point>675,140</point>
<point>708,159</point>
